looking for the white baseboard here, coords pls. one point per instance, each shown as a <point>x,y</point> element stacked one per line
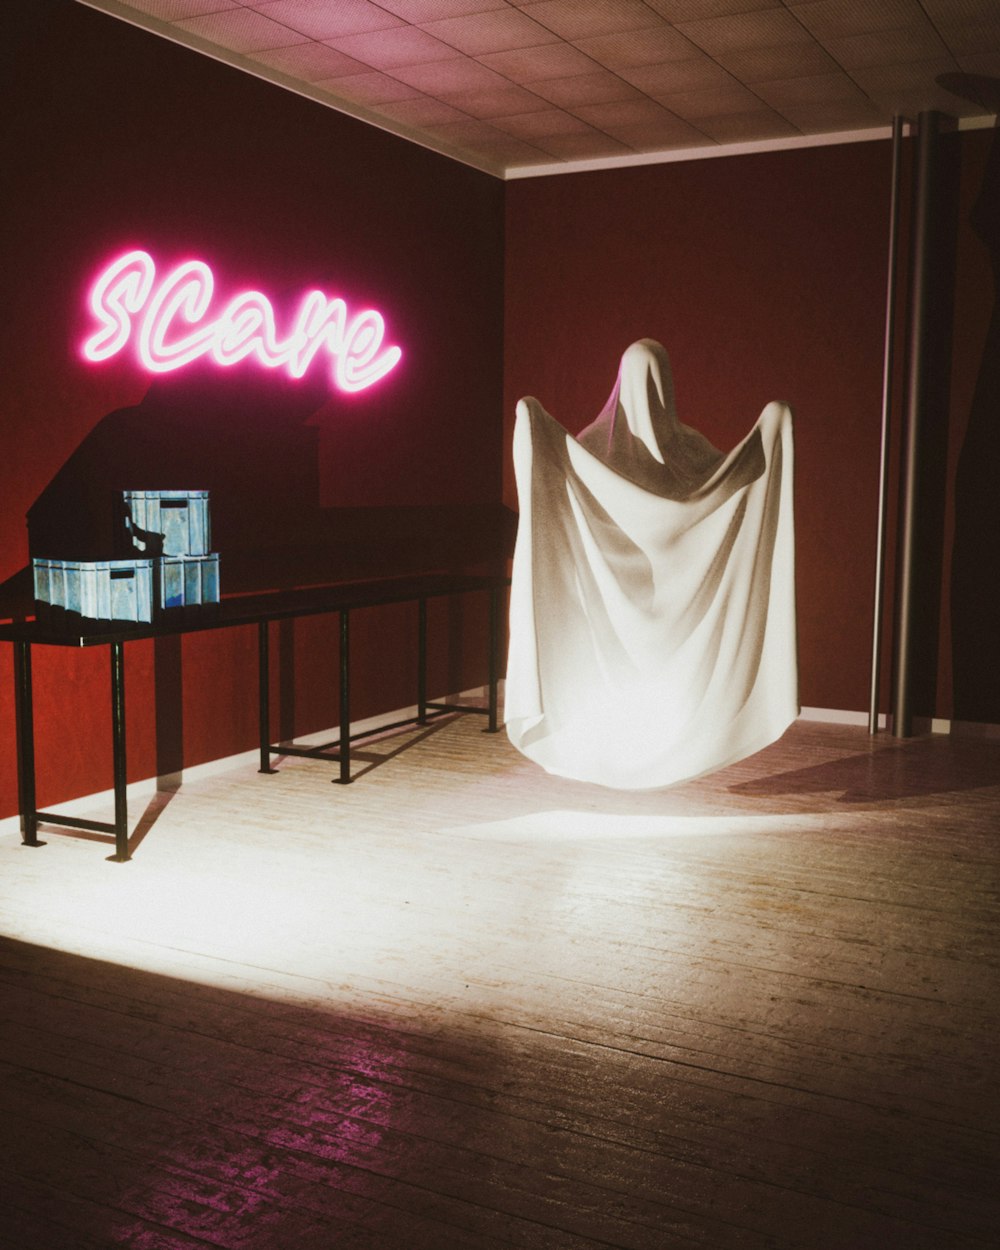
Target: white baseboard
<point>142,791</point>
<point>922,724</point>
<point>838,716</point>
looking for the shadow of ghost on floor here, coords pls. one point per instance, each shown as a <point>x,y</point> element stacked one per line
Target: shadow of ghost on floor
<point>915,768</point>
<point>975,604</point>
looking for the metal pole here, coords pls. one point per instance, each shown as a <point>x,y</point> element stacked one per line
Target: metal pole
<point>121,854</point>
<point>923,233</point>
<point>887,368</point>
<point>25,721</point>
<point>494,664</point>
<point>264,697</point>
<point>344,777</point>
<point>422,661</point>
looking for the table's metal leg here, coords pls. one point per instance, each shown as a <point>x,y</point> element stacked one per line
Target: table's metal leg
<point>345,700</point>
<point>25,725</point>
<point>494,659</point>
<point>264,697</point>
<point>421,661</point>
<point>118,751</point>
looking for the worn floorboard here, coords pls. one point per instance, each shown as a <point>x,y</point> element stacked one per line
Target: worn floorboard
<point>462,1005</point>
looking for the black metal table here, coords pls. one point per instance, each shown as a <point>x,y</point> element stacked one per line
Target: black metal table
<point>260,610</point>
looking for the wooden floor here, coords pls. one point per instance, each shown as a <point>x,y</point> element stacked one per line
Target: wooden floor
<point>461,1004</point>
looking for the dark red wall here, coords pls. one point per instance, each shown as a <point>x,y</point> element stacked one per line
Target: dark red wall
<point>764,277</point>
<point>114,137</point>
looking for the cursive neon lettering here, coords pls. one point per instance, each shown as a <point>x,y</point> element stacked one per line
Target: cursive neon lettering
<point>170,323</point>
<point>121,290</point>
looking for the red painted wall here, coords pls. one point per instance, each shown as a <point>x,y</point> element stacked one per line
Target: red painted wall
<point>764,277</point>
<point>114,137</point>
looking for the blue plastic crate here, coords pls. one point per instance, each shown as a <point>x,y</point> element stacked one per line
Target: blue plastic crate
<point>168,522</point>
<point>187,581</point>
<point>96,590</point>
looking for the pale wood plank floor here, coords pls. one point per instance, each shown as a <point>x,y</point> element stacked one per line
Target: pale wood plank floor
<point>461,1004</point>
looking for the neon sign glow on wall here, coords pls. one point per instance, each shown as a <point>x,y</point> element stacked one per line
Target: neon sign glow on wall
<point>167,319</point>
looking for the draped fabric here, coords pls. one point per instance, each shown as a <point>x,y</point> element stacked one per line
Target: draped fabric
<point>652,618</point>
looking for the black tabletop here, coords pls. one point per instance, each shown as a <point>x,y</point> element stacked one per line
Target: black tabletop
<point>251,609</point>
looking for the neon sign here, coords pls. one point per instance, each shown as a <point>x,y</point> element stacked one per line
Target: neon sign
<point>168,320</point>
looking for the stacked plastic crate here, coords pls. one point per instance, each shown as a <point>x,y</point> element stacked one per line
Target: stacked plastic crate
<point>173,527</point>
<point>165,537</point>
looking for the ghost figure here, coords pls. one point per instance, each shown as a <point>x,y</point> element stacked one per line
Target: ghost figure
<point>652,617</point>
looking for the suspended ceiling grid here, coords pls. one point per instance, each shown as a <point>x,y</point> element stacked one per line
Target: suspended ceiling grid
<point>550,85</point>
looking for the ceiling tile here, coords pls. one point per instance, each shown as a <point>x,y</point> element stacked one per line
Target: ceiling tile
<point>573,20</point>
<point>597,88</point>
<point>832,88</point>
<point>755,65</point>
<point>623,115</point>
<point>693,10</point>
<point>435,10</point>
<point>765,28</point>
<point>496,31</point>
<point>900,76</point>
<point>240,30</point>
<point>320,20</point>
<point>390,49</point>
<point>500,102</point>
<point>309,62</point>
<point>988,64</point>
<point>967,28</point>
<point>827,115</point>
<point>833,19</point>
<point>456,76</point>
<point>542,81</point>
<point>692,105</point>
<point>175,10</point>
<point>911,88</point>
<point>753,127</point>
<point>370,90</point>
<point>946,13</point>
<point>421,110</point>
<point>590,146</point>
<point>700,74</point>
<point>887,47</point>
<point>631,48</point>
<point>542,124</point>
<point>481,137</point>
<point>642,124</point>
<point>551,60</point>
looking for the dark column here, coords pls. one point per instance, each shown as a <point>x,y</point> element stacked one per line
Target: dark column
<point>887,378</point>
<point>918,591</point>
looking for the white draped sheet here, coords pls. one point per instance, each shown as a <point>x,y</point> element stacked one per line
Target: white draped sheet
<point>652,617</point>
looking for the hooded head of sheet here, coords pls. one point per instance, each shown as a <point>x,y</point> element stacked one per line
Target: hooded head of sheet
<point>652,606</point>
<point>637,431</point>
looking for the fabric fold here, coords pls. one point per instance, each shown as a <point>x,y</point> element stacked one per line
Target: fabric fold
<point>652,618</point>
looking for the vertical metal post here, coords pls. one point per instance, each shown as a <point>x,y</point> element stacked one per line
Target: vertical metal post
<point>264,697</point>
<point>118,750</point>
<point>24,717</point>
<point>422,661</point>
<point>345,700</point>
<point>923,234</point>
<point>887,371</point>
<point>494,660</point>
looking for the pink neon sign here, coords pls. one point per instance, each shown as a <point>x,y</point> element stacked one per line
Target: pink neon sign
<point>168,320</point>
